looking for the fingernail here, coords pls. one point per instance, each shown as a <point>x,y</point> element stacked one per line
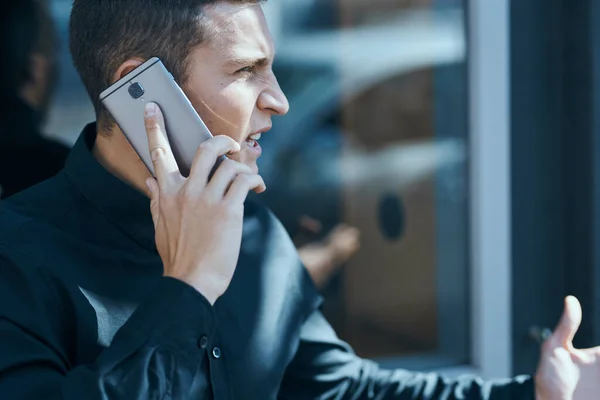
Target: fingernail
<point>150,109</point>
<point>148,184</point>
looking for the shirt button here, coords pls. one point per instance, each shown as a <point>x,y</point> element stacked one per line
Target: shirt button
<point>203,342</point>
<point>216,353</point>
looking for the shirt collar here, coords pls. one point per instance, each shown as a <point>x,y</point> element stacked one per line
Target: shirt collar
<point>125,206</point>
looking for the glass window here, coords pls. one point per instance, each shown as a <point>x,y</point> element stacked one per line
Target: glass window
<point>376,138</point>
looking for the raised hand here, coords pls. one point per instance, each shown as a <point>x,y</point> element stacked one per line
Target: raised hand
<point>566,373</point>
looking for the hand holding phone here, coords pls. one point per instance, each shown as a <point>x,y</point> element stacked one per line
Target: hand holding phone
<point>151,82</point>
<point>197,216</point>
<point>198,222</point>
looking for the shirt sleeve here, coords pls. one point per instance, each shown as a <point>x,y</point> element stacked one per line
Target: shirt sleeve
<point>155,355</point>
<point>326,368</point>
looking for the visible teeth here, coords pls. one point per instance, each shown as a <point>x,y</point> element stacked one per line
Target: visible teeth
<point>256,136</point>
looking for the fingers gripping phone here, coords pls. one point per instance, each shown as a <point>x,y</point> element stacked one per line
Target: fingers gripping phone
<point>151,82</point>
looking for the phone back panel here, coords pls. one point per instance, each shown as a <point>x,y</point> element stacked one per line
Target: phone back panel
<point>185,129</point>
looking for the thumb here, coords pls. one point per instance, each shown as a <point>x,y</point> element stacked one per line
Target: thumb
<point>154,198</point>
<point>569,323</point>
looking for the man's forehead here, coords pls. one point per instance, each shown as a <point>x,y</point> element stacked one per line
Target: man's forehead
<point>238,30</point>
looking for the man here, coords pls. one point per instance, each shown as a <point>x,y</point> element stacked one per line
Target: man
<point>195,296</point>
<point>28,46</point>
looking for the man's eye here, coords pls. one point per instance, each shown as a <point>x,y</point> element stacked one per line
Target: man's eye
<point>249,69</point>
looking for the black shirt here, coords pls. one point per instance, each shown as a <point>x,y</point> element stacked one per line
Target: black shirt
<point>85,312</point>
<point>26,157</point>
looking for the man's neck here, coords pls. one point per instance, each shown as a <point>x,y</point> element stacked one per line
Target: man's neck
<point>115,154</point>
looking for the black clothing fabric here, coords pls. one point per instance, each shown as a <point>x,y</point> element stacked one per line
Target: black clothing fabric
<point>85,312</point>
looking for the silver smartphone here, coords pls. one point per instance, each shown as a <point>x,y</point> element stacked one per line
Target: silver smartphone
<point>151,82</point>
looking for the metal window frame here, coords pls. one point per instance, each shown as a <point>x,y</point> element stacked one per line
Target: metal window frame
<point>489,89</point>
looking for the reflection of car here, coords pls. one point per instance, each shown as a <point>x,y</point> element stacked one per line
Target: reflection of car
<point>396,172</point>
<point>322,72</point>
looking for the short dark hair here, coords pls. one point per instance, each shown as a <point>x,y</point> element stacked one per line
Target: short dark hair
<point>26,27</point>
<point>106,33</point>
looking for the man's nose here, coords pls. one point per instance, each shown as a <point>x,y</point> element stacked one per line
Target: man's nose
<point>273,100</point>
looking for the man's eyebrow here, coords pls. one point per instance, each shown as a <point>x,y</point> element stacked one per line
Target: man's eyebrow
<point>260,61</point>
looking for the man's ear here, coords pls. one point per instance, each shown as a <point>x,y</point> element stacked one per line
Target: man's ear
<point>126,68</point>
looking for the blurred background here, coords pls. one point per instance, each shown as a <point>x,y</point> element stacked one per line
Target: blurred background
<point>458,140</point>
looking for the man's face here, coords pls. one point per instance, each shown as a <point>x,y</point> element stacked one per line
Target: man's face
<point>231,82</point>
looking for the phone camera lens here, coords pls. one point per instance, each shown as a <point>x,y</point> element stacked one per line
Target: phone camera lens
<point>136,90</point>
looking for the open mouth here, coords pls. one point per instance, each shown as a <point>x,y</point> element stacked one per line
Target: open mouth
<point>252,140</point>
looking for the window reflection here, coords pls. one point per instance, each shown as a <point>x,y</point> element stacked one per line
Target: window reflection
<point>376,138</point>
